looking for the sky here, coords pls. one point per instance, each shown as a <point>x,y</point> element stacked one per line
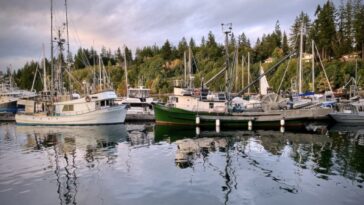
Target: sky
<point>25,24</point>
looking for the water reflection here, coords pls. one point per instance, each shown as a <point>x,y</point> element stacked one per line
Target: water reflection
<point>147,164</point>
<point>62,144</point>
<point>329,154</point>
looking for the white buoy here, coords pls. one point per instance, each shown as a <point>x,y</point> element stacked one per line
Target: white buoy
<point>197,130</point>
<point>197,120</point>
<point>282,122</point>
<point>217,122</point>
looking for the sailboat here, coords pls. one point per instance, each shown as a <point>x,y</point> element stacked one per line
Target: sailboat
<point>59,107</point>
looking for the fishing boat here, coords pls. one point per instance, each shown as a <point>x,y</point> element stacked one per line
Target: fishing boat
<point>350,113</point>
<point>199,107</point>
<point>57,106</point>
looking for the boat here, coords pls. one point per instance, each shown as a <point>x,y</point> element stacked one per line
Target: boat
<point>137,100</point>
<point>350,113</point>
<point>200,107</point>
<point>9,96</point>
<point>57,106</point>
<point>139,104</point>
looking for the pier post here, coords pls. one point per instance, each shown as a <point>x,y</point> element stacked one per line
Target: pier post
<point>197,120</point>
<point>217,122</point>
<point>282,129</point>
<point>250,125</point>
<point>282,122</point>
<point>197,130</point>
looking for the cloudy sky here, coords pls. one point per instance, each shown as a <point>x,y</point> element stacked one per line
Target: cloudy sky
<point>25,24</point>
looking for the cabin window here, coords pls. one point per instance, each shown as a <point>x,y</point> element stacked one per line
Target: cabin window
<point>211,105</point>
<point>67,108</point>
<point>102,103</point>
<point>107,103</point>
<point>176,100</point>
<point>360,108</point>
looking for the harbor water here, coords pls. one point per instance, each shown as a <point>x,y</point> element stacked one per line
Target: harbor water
<point>150,164</point>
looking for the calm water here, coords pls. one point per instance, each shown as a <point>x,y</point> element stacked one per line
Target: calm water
<point>146,164</point>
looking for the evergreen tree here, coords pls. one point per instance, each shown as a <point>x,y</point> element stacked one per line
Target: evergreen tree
<point>166,51</point>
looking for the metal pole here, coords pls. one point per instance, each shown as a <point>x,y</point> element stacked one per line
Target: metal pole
<point>248,72</point>
<point>126,73</point>
<point>52,63</point>
<point>313,66</point>
<point>300,61</point>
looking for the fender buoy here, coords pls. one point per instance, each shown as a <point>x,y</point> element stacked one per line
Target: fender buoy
<point>88,99</point>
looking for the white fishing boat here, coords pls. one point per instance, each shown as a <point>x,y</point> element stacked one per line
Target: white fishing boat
<point>95,109</point>
<point>59,107</point>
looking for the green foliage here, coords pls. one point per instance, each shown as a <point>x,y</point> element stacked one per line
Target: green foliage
<point>335,31</point>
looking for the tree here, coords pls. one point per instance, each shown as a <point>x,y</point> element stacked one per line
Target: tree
<point>324,32</point>
<point>166,51</point>
<point>285,46</point>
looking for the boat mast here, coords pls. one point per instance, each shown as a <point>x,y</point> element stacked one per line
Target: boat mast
<point>226,29</point>
<point>248,72</point>
<point>52,63</point>
<point>185,67</point>
<point>242,72</point>
<point>45,89</point>
<point>236,69</point>
<point>190,67</point>
<point>126,73</point>
<point>300,61</point>
<point>313,66</point>
<point>68,59</point>
<point>100,73</point>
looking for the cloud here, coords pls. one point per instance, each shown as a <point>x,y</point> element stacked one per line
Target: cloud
<point>114,23</point>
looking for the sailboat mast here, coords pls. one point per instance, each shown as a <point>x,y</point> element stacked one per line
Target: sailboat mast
<point>126,74</point>
<point>300,61</point>
<point>190,67</point>
<point>242,72</point>
<point>52,63</point>
<point>185,67</point>
<point>249,72</point>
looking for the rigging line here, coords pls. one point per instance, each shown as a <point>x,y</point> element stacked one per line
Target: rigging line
<point>284,75</point>
<point>323,68</point>
<point>84,59</point>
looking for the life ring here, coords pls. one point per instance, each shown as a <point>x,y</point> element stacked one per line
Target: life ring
<point>88,99</point>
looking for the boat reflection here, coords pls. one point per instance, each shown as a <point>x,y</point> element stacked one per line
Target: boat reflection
<point>329,154</point>
<point>66,145</point>
<point>140,135</point>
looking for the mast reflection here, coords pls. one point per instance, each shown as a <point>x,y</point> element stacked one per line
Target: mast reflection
<point>67,146</point>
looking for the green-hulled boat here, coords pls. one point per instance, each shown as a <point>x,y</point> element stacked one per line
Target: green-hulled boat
<point>270,119</point>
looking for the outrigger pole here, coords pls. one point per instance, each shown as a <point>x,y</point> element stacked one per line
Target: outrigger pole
<point>271,69</point>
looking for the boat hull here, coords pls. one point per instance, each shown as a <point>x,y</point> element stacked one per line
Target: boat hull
<point>348,118</point>
<point>292,118</point>
<point>110,115</point>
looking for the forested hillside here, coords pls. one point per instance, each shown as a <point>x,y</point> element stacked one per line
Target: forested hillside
<point>337,30</point>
